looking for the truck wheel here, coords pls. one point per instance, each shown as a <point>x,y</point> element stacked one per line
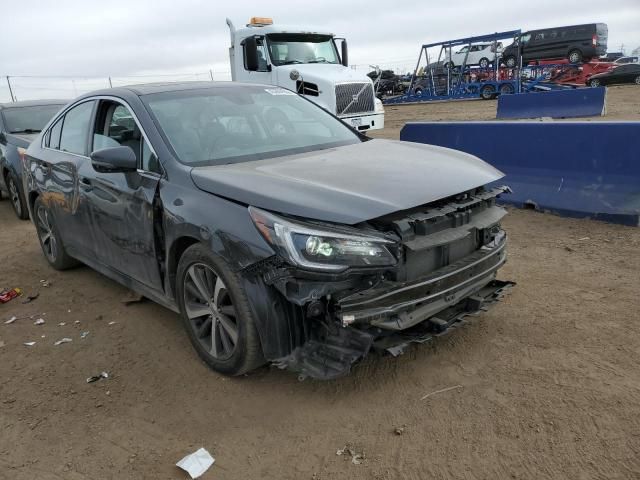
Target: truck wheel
<point>510,61</point>
<point>596,83</point>
<point>417,92</point>
<point>448,65</point>
<point>216,314</point>
<point>483,63</point>
<point>575,56</point>
<point>506,89</point>
<point>16,197</point>
<point>487,92</point>
<point>50,239</point>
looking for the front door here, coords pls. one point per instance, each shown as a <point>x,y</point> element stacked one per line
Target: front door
<point>121,205</point>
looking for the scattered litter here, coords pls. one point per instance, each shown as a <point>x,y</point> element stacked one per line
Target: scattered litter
<point>112,323</point>
<point>43,336</point>
<point>39,321</point>
<point>2,344</point>
<point>45,283</point>
<point>31,298</point>
<point>195,464</point>
<point>29,344</point>
<point>62,324</point>
<point>62,340</point>
<point>441,391</point>
<point>568,249</point>
<point>132,297</point>
<point>69,311</point>
<point>84,334</point>
<point>398,430</point>
<point>10,295</point>
<point>583,239</point>
<point>95,378</point>
<point>356,458</point>
<point>77,322</point>
<point>11,320</point>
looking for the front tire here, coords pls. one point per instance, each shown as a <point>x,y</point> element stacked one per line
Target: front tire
<point>50,239</point>
<point>487,92</point>
<point>216,314</point>
<point>637,80</point>
<point>16,197</point>
<point>510,61</point>
<point>483,63</point>
<point>595,82</point>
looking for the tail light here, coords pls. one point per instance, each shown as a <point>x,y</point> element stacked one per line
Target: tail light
<point>594,40</point>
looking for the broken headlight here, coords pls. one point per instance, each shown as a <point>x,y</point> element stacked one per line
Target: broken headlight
<point>318,249</point>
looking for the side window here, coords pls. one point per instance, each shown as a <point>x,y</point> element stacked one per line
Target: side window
<point>525,38</point>
<point>150,162</point>
<point>53,137</point>
<point>75,129</point>
<point>262,55</point>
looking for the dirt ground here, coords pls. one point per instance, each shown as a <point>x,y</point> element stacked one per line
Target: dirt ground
<point>547,383</point>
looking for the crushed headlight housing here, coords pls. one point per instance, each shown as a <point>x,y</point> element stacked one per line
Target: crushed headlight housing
<point>318,249</point>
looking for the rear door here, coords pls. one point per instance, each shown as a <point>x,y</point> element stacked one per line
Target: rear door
<point>121,204</point>
<point>65,147</point>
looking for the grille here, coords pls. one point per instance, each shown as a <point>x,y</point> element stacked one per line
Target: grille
<point>352,98</point>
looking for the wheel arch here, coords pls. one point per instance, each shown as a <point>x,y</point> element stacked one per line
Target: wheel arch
<point>174,252</point>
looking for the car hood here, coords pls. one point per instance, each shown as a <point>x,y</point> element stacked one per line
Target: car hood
<point>21,139</point>
<point>349,184</point>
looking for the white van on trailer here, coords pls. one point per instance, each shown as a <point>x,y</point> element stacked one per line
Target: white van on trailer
<point>308,62</point>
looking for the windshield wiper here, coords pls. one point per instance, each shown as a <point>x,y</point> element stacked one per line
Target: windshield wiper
<point>289,62</point>
<point>26,130</point>
<point>318,61</point>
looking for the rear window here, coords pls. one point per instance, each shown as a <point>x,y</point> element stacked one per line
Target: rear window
<point>229,124</point>
<point>28,119</point>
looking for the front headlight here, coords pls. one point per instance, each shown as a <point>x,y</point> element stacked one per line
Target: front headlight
<point>318,249</point>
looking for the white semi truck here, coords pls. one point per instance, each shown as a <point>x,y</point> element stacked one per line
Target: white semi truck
<point>307,62</point>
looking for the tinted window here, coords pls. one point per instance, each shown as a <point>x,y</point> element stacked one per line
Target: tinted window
<point>262,55</point>
<point>54,134</point>
<point>33,118</point>
<point>76,128</point>
<point>230,124</point>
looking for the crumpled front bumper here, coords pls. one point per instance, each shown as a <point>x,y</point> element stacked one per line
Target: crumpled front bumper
<point>391,315</point>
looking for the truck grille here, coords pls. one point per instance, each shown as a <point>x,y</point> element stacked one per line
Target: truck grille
<point>353,98</point>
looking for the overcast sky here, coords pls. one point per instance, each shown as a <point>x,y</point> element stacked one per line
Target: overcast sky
<point>132,38</point>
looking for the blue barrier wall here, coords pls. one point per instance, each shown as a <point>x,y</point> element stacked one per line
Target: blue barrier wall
<point>578,102</point>
<point>580,169</point>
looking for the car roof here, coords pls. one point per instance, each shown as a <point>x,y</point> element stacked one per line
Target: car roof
<point>151,88</point>
<point>33,103</point>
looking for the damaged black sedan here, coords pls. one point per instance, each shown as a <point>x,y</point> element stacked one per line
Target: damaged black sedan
<point>277,232</point>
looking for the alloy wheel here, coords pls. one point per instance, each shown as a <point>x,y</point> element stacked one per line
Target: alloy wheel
<point>210,310</point>
<point>638,80</point>
<point>47,237</point>
<point>14,194</point>
<point>596,83</point>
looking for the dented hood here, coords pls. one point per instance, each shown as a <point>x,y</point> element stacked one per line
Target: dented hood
<point>349,184</point>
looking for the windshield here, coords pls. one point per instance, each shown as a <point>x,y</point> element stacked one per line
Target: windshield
<point>224,125</point>
<point>292,48</point>
<point>28,119</point>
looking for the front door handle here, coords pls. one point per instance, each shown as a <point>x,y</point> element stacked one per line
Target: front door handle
<point>86,184</point>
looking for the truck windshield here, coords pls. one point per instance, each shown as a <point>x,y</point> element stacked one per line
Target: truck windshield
<point>221,125</point>
<point>292,48</point>
<point>28,119</point>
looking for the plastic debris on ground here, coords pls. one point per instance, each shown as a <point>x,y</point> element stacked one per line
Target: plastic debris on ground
<point>112,323</point>
<point>9,295</point>
<point>31,298</point>
<point>62,324</point>
<point>84,334</point>
<point>2,344</point>
<point>39,321</point>
<point>62,340</point>
<point>195,464</point>
<point>356,458</point>
<point>11,320</point>
<point>95,378</point>
<point>29,344</point>
<point>45,283</point>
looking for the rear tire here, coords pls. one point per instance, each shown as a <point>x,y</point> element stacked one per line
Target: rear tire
<point>510,61</point>
<point>483,63</point>
<point>216,314</point>
<point>506,89</point>
<point>49,237</point>
<point>575,56</point>
<point>596,83</point>
<point>16,197</point>
<point>637,80</point>
<point>417,92</point>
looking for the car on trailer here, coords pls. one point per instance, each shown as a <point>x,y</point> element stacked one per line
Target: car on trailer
<point>278,233</point>
<point>620,75</point>
<point>480,54</point>
<point>577,43</point>
<point>625,60</point>
<point>20,123</point>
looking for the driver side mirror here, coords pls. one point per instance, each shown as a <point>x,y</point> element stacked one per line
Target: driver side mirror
<point>251,53</point>
<point>114,159</point>
<point>345,53</point>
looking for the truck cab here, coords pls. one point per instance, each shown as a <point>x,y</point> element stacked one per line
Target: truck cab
<point>308,62</point>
